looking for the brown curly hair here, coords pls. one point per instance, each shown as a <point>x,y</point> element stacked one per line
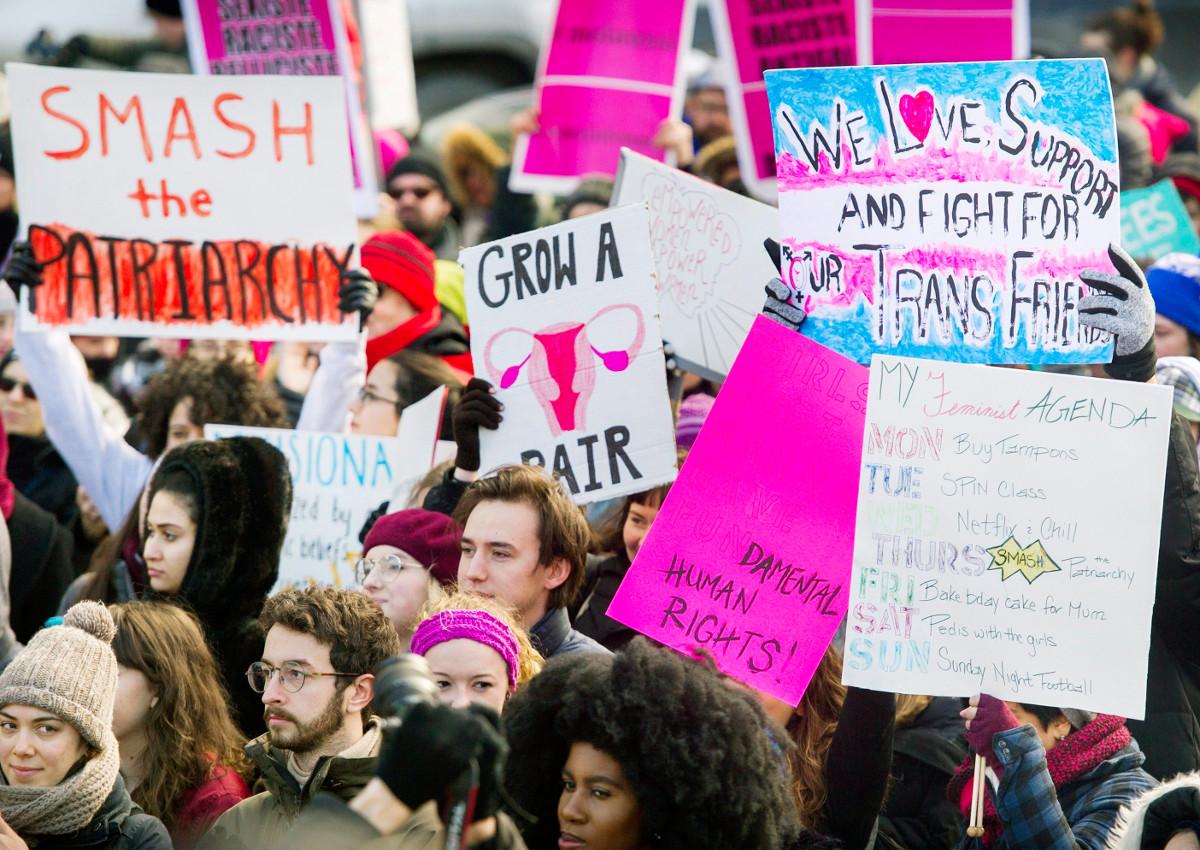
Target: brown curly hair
<point>189,730</point>
<point>225,391</point>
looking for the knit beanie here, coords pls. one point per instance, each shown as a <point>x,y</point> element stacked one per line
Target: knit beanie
<point>1078,719</point>
<point>1182,374</point>
<point>1175,284</point>
<point>421,162</point>
<point>399,260</point>
<point>71,671</point>
<point>430,537</point>
<point>692,413</point>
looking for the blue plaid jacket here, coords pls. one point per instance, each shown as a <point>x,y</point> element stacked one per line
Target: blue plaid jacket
<point>1081,814</point>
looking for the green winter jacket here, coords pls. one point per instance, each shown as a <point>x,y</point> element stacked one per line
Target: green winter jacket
<point>263,819</point>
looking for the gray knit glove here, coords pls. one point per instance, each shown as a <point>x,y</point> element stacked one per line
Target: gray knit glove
<point>1122,305</point>
<point>782,304</point>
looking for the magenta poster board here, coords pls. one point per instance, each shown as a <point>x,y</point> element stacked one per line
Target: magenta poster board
<point>610,75</point>
<point>904,31</point>
<point>307,40</point>
<point>751,552</point>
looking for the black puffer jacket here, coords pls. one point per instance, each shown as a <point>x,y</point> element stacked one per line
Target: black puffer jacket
<point>1170,734</point>
<point>246,497</point>
<point>119,825</point>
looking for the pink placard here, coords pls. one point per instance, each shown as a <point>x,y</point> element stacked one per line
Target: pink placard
<point>751,551</point>
<point>905,31</point>
<point>610,76</point>
<point>589,127</point>
<point>618,39</point>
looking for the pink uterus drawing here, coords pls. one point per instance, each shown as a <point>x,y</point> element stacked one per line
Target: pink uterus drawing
<point>562,372</point>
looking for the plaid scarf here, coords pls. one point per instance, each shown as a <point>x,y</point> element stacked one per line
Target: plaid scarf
<point>1080,752</point>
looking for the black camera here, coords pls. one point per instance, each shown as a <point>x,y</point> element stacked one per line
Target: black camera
<point>402,682</point>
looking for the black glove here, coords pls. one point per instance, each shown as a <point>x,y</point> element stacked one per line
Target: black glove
<point>432,748</point>
<point>493,752</point>
<point>1122,305</point>
<point>23,271</point>
<point>357,292</point>
<point>476,408</point>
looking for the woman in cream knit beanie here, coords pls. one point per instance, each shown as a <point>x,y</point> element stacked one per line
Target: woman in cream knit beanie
<point>58,758</point>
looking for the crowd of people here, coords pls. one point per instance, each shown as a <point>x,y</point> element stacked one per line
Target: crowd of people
<point>159,690</point>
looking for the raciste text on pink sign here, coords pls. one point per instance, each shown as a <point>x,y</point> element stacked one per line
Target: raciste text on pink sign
<point>750,554</point>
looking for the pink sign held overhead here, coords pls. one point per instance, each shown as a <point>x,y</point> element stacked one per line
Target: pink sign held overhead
<point>750,554</point>
<point>611,74</point>
<point>905,31</point>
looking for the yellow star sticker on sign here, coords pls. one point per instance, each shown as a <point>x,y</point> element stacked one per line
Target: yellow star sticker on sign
<point>1031,561</point>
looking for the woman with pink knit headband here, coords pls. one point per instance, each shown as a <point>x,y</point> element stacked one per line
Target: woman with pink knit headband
<point>476,650</point>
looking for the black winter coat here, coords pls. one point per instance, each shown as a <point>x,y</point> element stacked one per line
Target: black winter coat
<point>924,758</point>
<point>1170,734</point>
<point>119,825</point>
<point>41,566</point>
<point>599,587</point>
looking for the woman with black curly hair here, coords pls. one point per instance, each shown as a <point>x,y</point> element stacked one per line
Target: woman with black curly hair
<point>645,749</point>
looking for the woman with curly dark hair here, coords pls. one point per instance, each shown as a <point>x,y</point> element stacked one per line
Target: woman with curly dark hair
<point>645,749</point>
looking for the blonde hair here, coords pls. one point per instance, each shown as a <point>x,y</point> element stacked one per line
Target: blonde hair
<point>811,729</point>
<point>465,145</point>
<point>908,707</point>
<point>529,660</point>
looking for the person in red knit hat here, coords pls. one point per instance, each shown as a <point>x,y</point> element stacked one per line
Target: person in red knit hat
<point>407,313</point>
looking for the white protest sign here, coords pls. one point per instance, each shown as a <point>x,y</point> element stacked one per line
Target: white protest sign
<point>709,257</point>
<point>388,65</point>
<point>173,205</point>
<point>986,555</point>
<point>564,323</point>
<point>337,481</point>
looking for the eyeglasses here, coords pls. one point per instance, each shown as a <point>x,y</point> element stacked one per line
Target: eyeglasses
<point>366,396</point>
<point>390,567</point>
<point>418,192</point>
<point>291,676</point>
<point>7,385</point>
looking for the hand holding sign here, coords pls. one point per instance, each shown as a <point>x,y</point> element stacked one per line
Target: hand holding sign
<point>1125,309</point>
<point>24,272</point>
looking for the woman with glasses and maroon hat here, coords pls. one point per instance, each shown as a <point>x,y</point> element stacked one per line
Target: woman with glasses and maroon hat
<point>408,558</point>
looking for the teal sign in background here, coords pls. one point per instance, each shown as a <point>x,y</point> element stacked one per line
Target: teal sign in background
<point>1155,222</point>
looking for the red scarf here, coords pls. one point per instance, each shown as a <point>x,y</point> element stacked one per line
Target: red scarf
<point>1072,757</point>
<point>385,345</point>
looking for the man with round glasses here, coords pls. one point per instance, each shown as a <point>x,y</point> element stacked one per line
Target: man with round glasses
<point>316,686</point>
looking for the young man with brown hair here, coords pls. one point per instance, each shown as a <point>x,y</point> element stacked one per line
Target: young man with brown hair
<point>316,681</point>
<point>525,542</point>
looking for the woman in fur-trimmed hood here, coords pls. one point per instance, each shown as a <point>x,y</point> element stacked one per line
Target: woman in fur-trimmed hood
<point>217,515</point>
<point>1160,814</point>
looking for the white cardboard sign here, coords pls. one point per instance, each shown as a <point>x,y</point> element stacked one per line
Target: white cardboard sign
<point>709,257</point>
<point>1007,535</point>
<point>564,323</point>
<point>337,481</point>
<point>175,205</point>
